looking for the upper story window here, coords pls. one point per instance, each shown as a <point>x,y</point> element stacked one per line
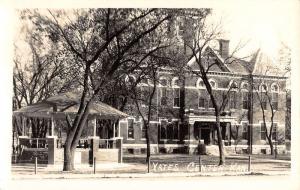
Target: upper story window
<point>233,94</point>
<point>200,84</point>
<point>263,88</point>
<point>163,82</point>
<point>130,79</point>
<point>245,95</point>
<point>262,131</point>
<point>213,83</point>
<point>274,94</point>
<point>130,129</point>
<point>175,82</point>
<point>176,92</point>
<point>244,130</point>
<point>233,85</point>
<point>263,96</point>
<point>244,86</point>
<point>275,132</point>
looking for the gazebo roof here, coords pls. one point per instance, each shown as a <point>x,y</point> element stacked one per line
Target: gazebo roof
<point>67,104</point>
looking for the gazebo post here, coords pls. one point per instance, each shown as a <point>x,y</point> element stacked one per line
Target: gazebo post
<point>95,140</point>
<point>52,143</point>
<point>95,127</point>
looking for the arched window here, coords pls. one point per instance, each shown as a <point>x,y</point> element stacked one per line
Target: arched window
<point>200,83</point>
<point>176,92</point>
<point>163,83</point>
<point>263,95</point>
<point>274,93</point>
<point>263,87</point>
<point>175,82</point>
<point>233,87</point>
<point>244,86</point>
<point>212,83</point>
<point>130,79</point>
<point>245,95</point>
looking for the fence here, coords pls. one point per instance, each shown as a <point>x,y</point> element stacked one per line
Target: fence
<point>36,167</point>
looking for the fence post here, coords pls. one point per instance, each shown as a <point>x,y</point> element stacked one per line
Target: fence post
<point>199,163</point>
<point>249,163</point>
<point>94,165</point>
<point>35,165</point>
<point>148,165</point>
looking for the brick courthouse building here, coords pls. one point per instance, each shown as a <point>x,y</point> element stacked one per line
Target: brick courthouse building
<point>184,116</point>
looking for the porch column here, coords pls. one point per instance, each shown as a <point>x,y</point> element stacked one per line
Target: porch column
<point>228,132</point>
<point>95,127</point>
<point>119,132</point>
<point>191,130</point>
<point>114,130</point>
<point>23,125</point>
<point>52,125</point>
<point>191,144</point>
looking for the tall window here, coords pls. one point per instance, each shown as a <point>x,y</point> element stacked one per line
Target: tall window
<point>263,131</point>
<point>200,84</point>
<point>244,130</point>
<point>201,101</point>
<point>169,130</point>
<point>163,90</point>
<point>176,92</point>
<point>213,84</point>
<point>233,99</point>
<point>245,95</point>
<point>275,132</point>
<point>176,97</point>
<point>233,95</point>
<point>263,96</point>
<point>143,131</point>
<point>210,104</point>
<point>163,129</point>
<point>130,129</point>
<point>274,91</point>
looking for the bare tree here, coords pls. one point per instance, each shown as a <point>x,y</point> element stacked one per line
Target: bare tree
<point>91,37</point>
<point>205,60</point>
<point>268,98</point>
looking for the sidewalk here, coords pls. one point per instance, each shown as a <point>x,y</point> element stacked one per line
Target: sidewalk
<point>145,175</point>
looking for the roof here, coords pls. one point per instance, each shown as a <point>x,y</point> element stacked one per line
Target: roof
<point>68,104</point>
<point>259,64</point>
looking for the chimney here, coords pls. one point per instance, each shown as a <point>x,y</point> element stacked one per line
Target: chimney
<point>224,48</point>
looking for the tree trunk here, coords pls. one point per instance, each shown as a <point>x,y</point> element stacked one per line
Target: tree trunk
<point>68,158</point>
<point>148,146</point>
<point>220,144</point>
<point>271,145</point>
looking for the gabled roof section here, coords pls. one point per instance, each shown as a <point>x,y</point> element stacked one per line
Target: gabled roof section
<point>263,64</point>
<point>218,67</point>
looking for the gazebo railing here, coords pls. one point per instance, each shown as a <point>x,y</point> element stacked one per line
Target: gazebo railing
<point>34,142</point>
<point>106,143</point>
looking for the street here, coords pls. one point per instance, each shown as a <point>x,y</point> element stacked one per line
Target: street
<point>228,182</point>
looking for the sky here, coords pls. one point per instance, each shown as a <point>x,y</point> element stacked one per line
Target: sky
<point>262,26</point>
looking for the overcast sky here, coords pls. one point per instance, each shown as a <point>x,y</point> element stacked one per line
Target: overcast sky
<point>264,26</point>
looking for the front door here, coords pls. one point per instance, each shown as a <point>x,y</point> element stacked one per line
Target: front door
<point>205,135</point>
